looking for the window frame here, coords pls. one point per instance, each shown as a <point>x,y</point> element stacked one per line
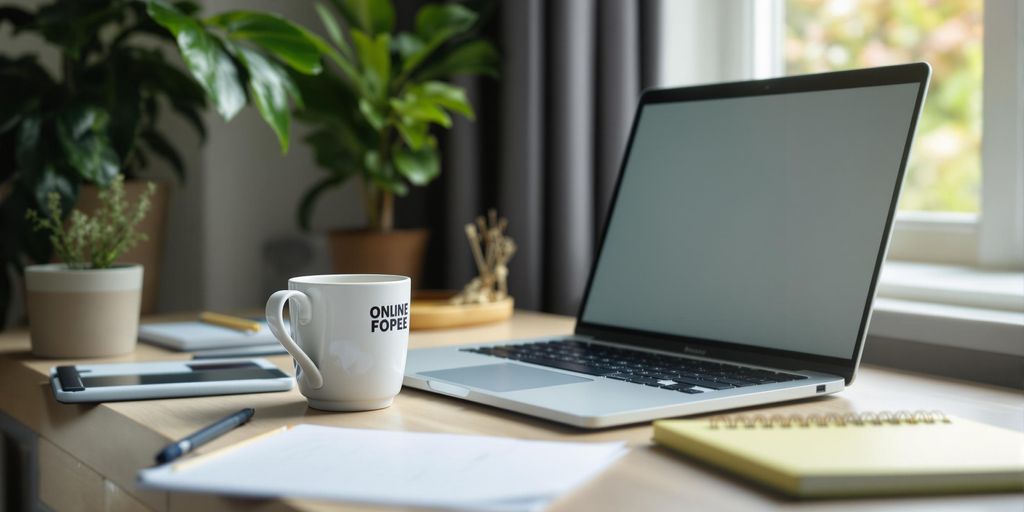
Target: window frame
<point>1001,237</point>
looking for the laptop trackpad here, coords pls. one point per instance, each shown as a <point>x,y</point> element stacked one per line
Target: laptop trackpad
<point>504,377</point>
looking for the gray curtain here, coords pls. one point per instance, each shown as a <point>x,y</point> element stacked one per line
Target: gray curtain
<point>546,146</point>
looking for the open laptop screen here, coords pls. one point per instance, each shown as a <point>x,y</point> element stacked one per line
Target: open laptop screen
<point>754,220</point>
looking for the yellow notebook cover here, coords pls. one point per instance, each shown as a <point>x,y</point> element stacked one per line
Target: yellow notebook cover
<point>864,454</point>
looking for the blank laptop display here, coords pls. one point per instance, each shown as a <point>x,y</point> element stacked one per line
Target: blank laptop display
<point>754,220</point>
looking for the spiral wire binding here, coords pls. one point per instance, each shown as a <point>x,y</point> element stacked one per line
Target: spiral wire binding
<point>830,420</point>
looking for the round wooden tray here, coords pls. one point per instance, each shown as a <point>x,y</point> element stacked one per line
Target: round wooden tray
<point>431,310</point>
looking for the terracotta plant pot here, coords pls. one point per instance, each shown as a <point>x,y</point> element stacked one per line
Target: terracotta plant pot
<point>399,252</point>
<point>83,313</point>
<point>149,253</point>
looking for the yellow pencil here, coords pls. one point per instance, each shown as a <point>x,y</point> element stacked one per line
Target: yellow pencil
<point>231,322</point>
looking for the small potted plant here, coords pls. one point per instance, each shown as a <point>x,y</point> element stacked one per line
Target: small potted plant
<point>88,305</point>
<point>374,115</point>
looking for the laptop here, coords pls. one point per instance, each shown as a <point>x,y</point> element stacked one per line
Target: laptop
<point>738,261</point>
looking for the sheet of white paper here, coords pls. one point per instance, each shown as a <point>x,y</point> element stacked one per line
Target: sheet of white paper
<point>397,468</point>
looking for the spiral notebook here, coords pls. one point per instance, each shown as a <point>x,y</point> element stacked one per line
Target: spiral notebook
<point>865,454</point>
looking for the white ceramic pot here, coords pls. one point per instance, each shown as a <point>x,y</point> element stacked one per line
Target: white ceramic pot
<point>83,313</point>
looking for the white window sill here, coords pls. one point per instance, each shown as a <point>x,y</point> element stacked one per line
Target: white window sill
<point>953,306</point>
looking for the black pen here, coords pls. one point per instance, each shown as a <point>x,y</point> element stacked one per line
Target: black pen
<point>203,436</point>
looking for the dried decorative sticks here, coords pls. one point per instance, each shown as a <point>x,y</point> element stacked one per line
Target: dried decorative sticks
<point>492,250</point>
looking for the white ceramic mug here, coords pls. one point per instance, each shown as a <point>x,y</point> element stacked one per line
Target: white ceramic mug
<point>351,337</point>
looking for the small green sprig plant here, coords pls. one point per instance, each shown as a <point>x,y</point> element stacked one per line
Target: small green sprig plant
<point>95,241</point>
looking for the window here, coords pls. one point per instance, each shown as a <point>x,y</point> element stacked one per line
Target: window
<point>960,245</point>
<point>963,201</point>
<point>944,172</point>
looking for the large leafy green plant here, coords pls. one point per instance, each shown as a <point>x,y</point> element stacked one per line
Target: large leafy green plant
<point>237,48</point>
<point>372,115</point>
<point>97,116</point>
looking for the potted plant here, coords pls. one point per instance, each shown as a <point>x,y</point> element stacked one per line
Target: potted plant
<point>88,305</point>
<point>73,131</point>
<point>372,116</point>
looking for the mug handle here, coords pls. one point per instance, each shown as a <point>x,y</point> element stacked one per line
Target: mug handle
<point>303,314</point>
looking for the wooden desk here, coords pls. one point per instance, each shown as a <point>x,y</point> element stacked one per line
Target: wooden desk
<point>89,455</point>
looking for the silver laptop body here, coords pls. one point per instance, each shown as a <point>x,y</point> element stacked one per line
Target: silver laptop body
<point>738,262</point>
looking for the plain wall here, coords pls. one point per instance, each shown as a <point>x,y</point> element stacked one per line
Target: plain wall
<point>247,194</point>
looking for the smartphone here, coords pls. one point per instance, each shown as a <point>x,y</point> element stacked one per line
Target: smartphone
<point>91,383</point>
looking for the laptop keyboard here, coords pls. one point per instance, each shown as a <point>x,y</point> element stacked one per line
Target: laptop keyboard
<point>644,368</point>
